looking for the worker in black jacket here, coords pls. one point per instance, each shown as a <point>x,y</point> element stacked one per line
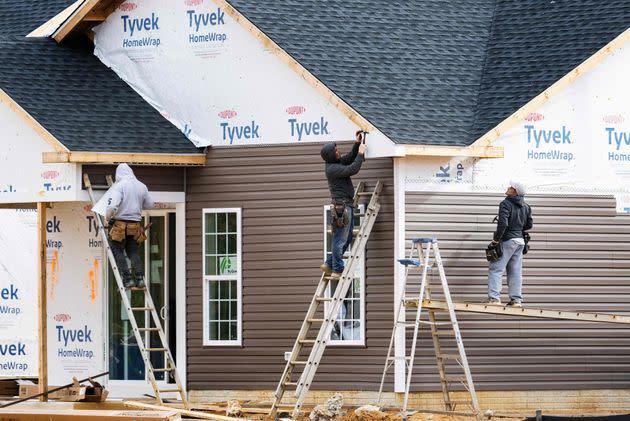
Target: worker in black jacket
<point>338,171</point>
<point>515,217</point>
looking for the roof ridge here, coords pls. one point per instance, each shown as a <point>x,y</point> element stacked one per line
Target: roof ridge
<point>483,71</point>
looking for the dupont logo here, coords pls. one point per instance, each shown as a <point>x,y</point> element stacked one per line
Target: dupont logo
<point>193,2</point>
<point>50,175</point>
<point>613,119</point>
<point>128,6</point>
<point>534,117</point>
<point>227,114</point>
<point>87,208</point>
<point>62,317</point>
<point>295,110</point>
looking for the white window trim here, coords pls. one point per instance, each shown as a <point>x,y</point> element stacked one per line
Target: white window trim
<point>339,342</point>
<point>239,279</point>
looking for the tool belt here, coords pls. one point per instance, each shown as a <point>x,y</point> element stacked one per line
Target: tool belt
<point>494,252</point>
<point>339,214</point>
<point>122,229</point>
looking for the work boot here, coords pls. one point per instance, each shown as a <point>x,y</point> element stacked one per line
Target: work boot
<point>514,303</point>
<point>335,275</point>
<point>326,269</point>
<point>128,281</point>
<point>491,301</point>
<point>140,281</point>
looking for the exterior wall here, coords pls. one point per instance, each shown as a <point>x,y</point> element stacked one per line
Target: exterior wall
<point>282,191</point>
<point>169,179</point>
<point>579,261</point>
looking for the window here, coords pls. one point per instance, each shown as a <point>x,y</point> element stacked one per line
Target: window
<point>222,276</point>
<point>350,326</point>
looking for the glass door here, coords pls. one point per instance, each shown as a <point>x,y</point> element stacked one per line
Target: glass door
<point>156,254</point>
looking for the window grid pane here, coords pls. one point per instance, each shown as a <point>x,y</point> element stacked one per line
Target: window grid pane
<point>223,310</point>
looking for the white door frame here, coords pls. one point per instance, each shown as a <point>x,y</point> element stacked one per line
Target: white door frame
<point>137,388</point>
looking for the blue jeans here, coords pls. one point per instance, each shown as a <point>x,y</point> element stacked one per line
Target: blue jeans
<point>512,259</point>
<point>341,239</point>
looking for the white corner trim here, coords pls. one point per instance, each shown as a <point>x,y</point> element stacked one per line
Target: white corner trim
<point>399,270</point>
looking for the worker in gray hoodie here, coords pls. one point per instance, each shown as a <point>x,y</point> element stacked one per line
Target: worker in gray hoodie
<point>128,197</point>
<point>515,217</point>
<point>338,171</point>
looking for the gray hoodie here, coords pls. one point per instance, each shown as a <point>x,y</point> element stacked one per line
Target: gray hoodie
<point>338,171</point>
<point>128,196</point>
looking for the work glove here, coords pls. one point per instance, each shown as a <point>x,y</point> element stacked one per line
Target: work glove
<point>362,149</point>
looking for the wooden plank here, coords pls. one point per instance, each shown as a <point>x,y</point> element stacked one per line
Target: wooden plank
<point>294,65</point>
<point>527,312</point>
<point>76,18</point>
<point>18,205</point>
<point>41,299</point>
<point>553,90</point>
<point>129,158</point>
<point>30,120</point>
<point>472,151</point>
<point>185,412</point>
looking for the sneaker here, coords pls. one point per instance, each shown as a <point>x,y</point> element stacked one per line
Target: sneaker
<point>514,303</point>
<point>491,301</point>
<point>140,281</point>
<point>335,275</point>
<point>128,282</point>
<point>325,268</point>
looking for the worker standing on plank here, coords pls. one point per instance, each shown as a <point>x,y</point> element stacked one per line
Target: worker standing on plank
<point>128,197</point>
<point>515,217</point>
<point>338,171</point>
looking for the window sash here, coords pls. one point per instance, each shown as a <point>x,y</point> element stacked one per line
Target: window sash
<point>232,302</point>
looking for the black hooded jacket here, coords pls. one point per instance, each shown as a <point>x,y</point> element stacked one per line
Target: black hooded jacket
<point>515,216</point>
<point>338,171</point>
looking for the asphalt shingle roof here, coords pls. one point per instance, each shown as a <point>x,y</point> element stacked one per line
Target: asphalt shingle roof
<point>81,102</point>
<point>21,17</point>
<point>434,71</point>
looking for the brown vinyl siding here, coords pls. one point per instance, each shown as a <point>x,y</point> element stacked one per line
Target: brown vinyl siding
<point>282,192</point>
<point>169,179</point>
<point>580,261</point>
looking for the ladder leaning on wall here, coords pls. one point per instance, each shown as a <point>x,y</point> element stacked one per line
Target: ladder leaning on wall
<point>318,345</point>
<point>139,332</point>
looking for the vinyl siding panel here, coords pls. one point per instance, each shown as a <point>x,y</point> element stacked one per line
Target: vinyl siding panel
<point>579,260</point>
<point>282,191</point>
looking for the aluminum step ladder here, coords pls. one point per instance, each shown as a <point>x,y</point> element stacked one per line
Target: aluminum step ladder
<point>420,259</point>
<point>331,309</point>
<point>139,332</point>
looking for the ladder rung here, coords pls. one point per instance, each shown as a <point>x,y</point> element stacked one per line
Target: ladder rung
<point>299,362</point>
<point>307,341</point>
<point>365,193</point>
<point>162,370</point>
<point>323,299</point>
<point>155,349</point>
<point>315,320</point>
<point>169,390</point>
<point>451,379</point>
<point>399,358</point>
<point>445,333</point>
<point>141,308</point>
<point>449,356</point>
<point>148,329</point>
<point>290,383</point>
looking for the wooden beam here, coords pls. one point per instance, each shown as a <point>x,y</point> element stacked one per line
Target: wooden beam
<point>185,412</point>
<point>129,158</point>
<point>436,150</point>
<point>527,312</point>
<point>51,25</point>
<point>34,124</point>
<point>294,65</point>
<point>553,90</point>
<point>66,28</point>
<point>41,299</point>
<point>18,205</point>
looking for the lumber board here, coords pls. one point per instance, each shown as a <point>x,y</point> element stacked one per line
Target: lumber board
<point>526,312</point>
<point>74,20</point>
<point>130,158</point>
<point>472,151</point>
<point>41,298</point>
<point>185,412</point>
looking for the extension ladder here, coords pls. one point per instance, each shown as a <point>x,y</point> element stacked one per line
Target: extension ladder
<point>139,332</point>
<point>331,311</point>
<point>439,329</point>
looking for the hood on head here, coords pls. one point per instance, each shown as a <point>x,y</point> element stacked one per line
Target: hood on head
<point>124,171</point>
<point>517,200</point>
<point>328,153</point>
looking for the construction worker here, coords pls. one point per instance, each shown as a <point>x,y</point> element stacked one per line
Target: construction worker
<point>127,198</point>
<point>338,171</point>
<point>515,217</point>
